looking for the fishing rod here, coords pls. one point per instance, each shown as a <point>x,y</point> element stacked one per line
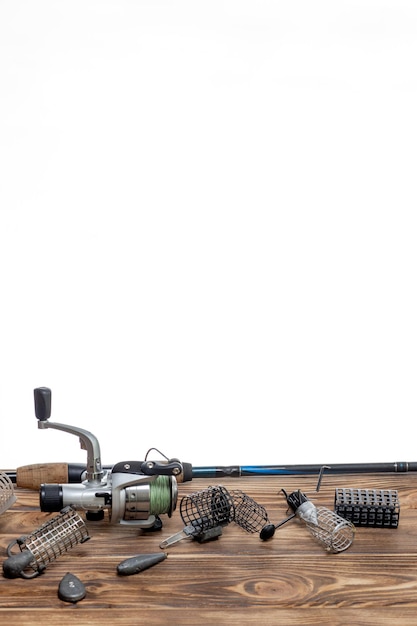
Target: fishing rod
<point>93,474</point>
<point>32,476</point>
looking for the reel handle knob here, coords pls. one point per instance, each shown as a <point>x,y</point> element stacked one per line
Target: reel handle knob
<point>42,403</point>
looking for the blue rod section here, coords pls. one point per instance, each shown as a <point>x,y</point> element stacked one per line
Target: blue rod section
<point>289,470</point>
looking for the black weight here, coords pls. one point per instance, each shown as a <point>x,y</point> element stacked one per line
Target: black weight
<point>71,589</point>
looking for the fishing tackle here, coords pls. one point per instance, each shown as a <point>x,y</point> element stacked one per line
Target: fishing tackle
<point>332,531</point>
<point>45,544</point>
<point>139,563</point>
<point>375,508</point>
<point>249,514</point>
<point>205,512</point>
<point>71,589</point>
<point>7,496</point>
<point>133,492</point>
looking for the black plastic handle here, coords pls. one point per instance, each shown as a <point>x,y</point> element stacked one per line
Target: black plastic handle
<point>42,403</point>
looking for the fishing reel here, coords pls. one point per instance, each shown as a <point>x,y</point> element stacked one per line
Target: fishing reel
<point>133,492</point>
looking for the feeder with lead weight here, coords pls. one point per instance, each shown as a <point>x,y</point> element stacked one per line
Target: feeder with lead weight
<point>204,513</point>
<point>44,545</point>
<point>333,532</point>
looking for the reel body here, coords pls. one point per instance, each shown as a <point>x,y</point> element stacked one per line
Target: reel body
<point>129,496</point>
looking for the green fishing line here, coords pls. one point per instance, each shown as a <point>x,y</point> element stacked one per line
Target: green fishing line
<point>160,495</point>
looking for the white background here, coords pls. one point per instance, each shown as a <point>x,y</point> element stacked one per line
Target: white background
<point>208,229</point>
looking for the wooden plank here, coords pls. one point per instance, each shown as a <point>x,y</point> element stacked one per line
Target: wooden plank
<point>235,579</point>
<point>337,616</point>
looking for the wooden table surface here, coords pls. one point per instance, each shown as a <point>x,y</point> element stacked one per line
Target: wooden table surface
<point>236,579</point>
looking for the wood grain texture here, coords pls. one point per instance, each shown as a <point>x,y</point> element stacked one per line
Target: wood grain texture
<point>237,579</point>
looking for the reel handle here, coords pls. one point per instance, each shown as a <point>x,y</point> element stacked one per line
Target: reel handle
<point>43,403</point>
<point>88,441</point>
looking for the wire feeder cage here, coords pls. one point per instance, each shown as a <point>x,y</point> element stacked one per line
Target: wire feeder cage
<point>53,538</point>
<point>7,496</point>
<point>334,532</point>
<point>249,515</point>
<point>207,508</point>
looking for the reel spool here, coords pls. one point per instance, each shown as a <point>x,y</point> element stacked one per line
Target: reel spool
<point>144,500</point>
<point>44,545</point>
<point>7,497</point>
